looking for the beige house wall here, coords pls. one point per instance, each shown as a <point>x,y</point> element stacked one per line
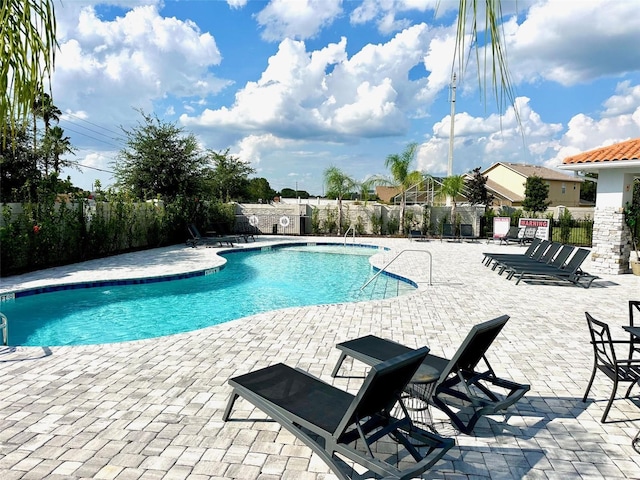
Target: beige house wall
<point>516,182</point>
<point>570,197</point>
<point>507,178</point>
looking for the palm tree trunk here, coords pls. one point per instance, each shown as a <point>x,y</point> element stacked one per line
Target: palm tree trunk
<point>402,207</point>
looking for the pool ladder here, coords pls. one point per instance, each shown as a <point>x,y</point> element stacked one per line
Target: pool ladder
<point>4,326</point>
<point>353,234</point>
<point>379,272</point>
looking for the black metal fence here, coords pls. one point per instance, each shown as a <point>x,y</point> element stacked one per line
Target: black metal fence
<point>572,232</point>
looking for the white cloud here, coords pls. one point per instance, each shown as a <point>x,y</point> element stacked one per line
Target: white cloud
<point>482,141</point>
<point>252,147</point>
<point>570,43</point>
<point>385,13</point>
<point>237,3</point>
<point>324,94</point>
<point>297,19</point>
<point>625,101</point>
<point>139,57</point>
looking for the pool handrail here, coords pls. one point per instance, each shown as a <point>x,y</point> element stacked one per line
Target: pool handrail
<point>347,233</point>
<point>394,258</point>
<point>4,326</point>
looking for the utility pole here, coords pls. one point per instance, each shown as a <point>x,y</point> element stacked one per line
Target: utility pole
<point>451,132</point>
<point>449,200</point>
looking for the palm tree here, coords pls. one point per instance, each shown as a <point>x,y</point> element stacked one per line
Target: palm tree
<point>452,187</point>
<point>338,184</point>
<point>56,145</point>
<point>401,176</point>
<point>44,108</point>
<point>27,42</point>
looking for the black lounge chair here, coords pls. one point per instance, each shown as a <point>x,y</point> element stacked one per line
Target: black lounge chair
<point>492,258</point>
<point>527,235</point>
<point>512,234</point>
<point>555,256</point>
<point>208,241</point>
<point>460,384</point>
<point>570,271</point>
<point>540,257</point>
<point>331,421</point>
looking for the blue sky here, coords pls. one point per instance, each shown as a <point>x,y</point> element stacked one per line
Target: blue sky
<point>295,86</point>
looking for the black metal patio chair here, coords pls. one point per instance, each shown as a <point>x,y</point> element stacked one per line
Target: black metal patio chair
<point>634,312</point>
<point>605,360</point>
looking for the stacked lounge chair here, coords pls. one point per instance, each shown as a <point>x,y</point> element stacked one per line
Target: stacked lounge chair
<point>550,260</point>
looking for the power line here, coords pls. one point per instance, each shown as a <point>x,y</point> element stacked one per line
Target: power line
<point>94,124</point>
<point>77,164</point>
<point>92,137</point>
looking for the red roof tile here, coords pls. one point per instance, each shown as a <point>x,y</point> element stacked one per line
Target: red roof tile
<point>629,150</point>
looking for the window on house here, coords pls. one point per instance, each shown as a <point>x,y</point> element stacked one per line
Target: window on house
<point>564,188</point>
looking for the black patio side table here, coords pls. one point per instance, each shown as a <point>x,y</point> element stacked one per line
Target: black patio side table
<point>418,393</point>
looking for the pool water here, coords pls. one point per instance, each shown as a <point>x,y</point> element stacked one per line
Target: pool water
<point>252,282</point>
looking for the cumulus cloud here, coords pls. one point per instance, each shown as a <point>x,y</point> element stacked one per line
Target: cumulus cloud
<point>297,19</point>
<point>237,3</point>
<point>138,57</point>
<point>482,141</point>
<point>563,42</point>
<point>325,94</point>
<point>385,14</point>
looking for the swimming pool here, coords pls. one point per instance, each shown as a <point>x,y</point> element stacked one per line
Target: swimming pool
<point>251,282</point>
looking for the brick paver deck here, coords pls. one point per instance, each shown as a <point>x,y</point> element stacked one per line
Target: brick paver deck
<point>152,409</point>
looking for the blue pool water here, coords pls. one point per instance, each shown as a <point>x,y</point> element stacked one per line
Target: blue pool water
<point>251,282</point>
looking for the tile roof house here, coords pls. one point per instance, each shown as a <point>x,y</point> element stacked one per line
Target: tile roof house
<point>618,167</point>
<point>506,181</point>
<point>619,152</point>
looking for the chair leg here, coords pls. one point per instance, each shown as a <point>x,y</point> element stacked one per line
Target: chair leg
<point>593,375</point>
<point>629,389</point>
<point>613,396</point>
<point>338,364</point>
<point>227,411</point>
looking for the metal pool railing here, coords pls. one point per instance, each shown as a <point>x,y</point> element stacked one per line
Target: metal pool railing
<point>383,269</point>
<point>4,326</point>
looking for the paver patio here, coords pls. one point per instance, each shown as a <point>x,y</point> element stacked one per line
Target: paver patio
<point>152,409</point>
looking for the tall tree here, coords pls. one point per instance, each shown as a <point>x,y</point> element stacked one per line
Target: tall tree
<point>27,45</point>
<point>339,185</point>
<point>19,175</point>
<point>536,192</point>
<point>402,177</point>
<point>452,187</point>
<point>477,192</point>
<point>55,144</point>
<point>160,159</point>
<point>228,180</point>
<point>259,189</point>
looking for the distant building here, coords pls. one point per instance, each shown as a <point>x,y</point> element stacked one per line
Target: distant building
<point>506,181</point>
